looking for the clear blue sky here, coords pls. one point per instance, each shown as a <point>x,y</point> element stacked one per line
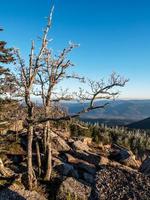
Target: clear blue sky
<point>114,35</point>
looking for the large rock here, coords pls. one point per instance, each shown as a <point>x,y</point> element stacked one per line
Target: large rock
<point>58,143</point>
<point>86,167</point>
<point>63,134</point>
<point>79,145</point>
<point>124,157</point>
<point>71,159</point>
<point>55,152</point>
<point>104,160</point>
<point>81,164</point>
<point>86,140</point>
<point>131,162</point>
<point>86,156</point>
<point>145,166</point>
<point>11,126</point>
<point>56,161</point>
<point>73,189</point>
<point>89,178</point>
<point>66,169</point>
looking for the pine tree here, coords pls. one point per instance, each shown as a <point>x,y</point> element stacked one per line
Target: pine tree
<point>6,55</point>
<point>7,79</point>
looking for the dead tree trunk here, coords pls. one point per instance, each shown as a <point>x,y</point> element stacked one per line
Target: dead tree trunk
<point>45,138</point>
<point>48,144</point>
<point>48,132</point>
<point>38,157</point>
<point>30,167</point>
<point>49,163</point>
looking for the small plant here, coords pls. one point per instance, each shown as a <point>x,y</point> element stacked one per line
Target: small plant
<point>69,197</point>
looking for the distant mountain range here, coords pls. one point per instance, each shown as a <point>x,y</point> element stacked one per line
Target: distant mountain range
<point>119,112</point>
<point>143,124</point>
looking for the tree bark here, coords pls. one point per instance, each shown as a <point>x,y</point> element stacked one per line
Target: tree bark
<point>30,167</point>
<point>48,132</point>
<point>49,154</point>
<point>48,141</point>
<point>49,163</point>
<point>45,138</point>
<point>38,157</point>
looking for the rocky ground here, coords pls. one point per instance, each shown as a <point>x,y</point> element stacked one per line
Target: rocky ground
<point>82,170</point>
<point>15,192</point>
<point>115,183</point>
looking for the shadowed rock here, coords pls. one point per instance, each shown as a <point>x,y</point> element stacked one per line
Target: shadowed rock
<point>145,166</point>
<point>73,189</point>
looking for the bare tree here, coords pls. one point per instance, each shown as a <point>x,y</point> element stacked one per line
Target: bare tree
<point>53,71</point>
<point>27,80</point>
<point>49,71</point>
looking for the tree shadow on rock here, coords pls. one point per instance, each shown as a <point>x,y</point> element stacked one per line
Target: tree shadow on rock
<point>5,192</point>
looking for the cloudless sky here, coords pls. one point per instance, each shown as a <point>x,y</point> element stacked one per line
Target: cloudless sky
<point>114,35</point>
